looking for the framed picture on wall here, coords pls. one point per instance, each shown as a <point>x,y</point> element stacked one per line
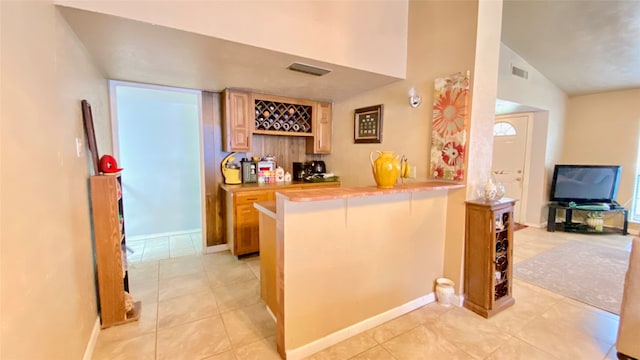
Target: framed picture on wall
<point>368,125</point>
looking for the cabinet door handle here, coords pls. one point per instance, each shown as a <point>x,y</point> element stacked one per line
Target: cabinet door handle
<point>252,198</point>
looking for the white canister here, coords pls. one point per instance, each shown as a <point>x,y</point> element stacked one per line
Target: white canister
<point>287,177</point>
<point>279,174</point>
<point>445,293</point>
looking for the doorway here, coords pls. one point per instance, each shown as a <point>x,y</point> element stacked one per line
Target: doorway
<point>156,134</point>
<point>510,135</point>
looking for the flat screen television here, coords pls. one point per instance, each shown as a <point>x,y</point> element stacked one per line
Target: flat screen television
<point>584,184</point>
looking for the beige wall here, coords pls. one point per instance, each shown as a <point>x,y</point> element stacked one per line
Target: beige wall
<point>48,297</point>
<point>330,31</point>
<point>480,136</point>
<point>605,129</point>
<point>548,128</point>
<point>372,255</point>
<point>407,130</point>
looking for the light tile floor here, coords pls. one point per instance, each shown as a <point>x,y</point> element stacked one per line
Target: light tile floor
<point>209,307</point>
<point>164,247</point>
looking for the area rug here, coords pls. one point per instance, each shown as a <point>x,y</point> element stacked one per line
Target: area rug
<point>588,273</point>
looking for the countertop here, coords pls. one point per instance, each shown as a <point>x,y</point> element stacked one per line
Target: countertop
<point>360,191</point>
<point>274,186</point>
<point>266,207</point>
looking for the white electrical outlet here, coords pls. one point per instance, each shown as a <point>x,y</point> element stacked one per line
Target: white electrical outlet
<point>78,147</point>
<point>413,173</point>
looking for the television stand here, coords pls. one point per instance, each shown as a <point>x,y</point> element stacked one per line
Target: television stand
<point>570,226</point>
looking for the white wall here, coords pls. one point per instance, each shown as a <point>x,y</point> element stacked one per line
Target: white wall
<point>548,129</point>
<point>366,35</point>
<point>159,147</point>
<point>47,295</point>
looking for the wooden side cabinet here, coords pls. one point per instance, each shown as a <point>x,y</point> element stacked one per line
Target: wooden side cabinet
<point>237,120</point>
<point>110,244</point>
<point>320,143</point>
<point>488,256</point>
<point>242,220</point>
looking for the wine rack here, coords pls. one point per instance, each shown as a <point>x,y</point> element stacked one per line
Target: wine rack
<point>283,117</point>
<point>501,262</point>
<point>488,256</point>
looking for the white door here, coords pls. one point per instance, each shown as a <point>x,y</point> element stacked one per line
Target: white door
<point>509,149</point>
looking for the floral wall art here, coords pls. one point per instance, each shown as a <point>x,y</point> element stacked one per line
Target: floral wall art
<point>449,130</point>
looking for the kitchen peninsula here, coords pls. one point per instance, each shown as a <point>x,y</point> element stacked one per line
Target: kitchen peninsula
<point>350,258</point>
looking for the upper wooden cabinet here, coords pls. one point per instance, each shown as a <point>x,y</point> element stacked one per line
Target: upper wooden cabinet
<point>237,121</point>
<point>247,113</point>
<point>321,141</point>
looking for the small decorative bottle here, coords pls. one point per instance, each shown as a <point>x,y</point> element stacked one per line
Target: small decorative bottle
<point>279,174</point>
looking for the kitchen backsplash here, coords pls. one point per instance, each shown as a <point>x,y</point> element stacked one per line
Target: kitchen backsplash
<point>286,149</point>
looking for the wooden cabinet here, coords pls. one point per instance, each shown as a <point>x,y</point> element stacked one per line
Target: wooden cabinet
<point>248,113</point>
<point>237,121</point>
<point>242,230</point>
<point>110,244</point>
<point>321,141</point>
<point>488,256</point>
<point>246,235</point>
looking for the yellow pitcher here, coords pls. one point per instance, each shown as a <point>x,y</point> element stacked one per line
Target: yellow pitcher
<point>386,169</point>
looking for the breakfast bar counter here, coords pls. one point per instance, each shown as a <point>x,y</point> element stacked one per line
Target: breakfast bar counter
<point>348,259</point>
<point>360,191</point>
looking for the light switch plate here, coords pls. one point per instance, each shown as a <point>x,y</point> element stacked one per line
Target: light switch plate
<point>78,147</point>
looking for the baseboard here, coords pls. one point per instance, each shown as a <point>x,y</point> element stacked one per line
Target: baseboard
<point>157,235</point>
<point>270,313</point>
<point>217,248</point>
<point>88,351</point>
<point>343,334</point>
<point>533,225</point>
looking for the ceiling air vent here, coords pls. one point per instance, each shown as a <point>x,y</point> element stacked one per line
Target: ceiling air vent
<point>519,72</point>
<point>308,69</point>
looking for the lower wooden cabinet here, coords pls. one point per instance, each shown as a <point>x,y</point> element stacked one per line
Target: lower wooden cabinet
<point>488,256</point>
<point>247,234</point>
<point>242,219</point>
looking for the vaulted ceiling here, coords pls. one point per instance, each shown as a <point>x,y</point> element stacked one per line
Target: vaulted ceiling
<point>582,46</point>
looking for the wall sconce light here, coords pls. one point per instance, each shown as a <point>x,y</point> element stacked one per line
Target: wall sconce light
<point>414,99</point>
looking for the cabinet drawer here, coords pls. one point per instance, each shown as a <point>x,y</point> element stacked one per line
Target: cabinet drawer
<point>251,196</point>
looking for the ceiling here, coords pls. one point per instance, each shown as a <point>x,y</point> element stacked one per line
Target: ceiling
<point>134,51</point>
<point>582,46</point>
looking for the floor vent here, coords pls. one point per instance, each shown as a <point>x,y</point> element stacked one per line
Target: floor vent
<point>519,72</point>
<point>308,69</point>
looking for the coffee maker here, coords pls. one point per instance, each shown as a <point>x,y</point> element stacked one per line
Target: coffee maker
<point>249,171</point>
<point>317,167</point>
<point>299,170</point>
